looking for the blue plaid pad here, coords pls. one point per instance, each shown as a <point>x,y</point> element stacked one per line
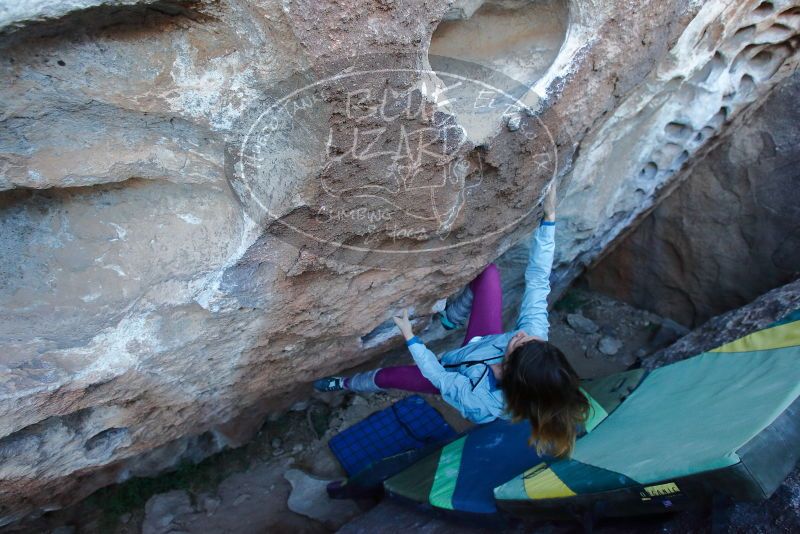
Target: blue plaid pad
<point>408,424</point>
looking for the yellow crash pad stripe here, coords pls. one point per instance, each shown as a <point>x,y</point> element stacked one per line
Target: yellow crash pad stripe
<point>778,337</point>
<point>545,484</point>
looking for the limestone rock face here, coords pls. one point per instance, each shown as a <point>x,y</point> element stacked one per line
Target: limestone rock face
<point>154,304</point>
<point>729,233</point>
<point>639,153</point>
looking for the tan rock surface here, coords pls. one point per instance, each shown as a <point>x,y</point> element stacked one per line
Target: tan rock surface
<point>148,314</point>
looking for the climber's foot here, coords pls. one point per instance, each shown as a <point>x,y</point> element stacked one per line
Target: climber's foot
<point>446,323</point>
<point>329,383</point>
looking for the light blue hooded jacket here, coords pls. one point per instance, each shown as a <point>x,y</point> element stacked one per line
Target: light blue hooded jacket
<point>462,375</point>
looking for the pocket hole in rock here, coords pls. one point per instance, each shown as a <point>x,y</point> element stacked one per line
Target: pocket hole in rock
<point>742,59</point>
<point>515,39</point>
<point>791,16</point>
<point>767,62</point>
<point>677,131</point>
<point>744,35</point>
<point>519,38</point>
<point>764,8</point>
<point>747,85</point>
<point>718,119</point>
<point>761,59</point>
<point>711,70</point>
<point>681,159</point>
<point>107,441</point>
<point>705,133</point>
<point>775,34</point>
<point>649,170</point>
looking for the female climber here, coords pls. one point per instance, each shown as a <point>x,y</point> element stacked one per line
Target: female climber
<point>495,374</point>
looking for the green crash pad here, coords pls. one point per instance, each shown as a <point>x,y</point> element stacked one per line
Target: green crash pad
<point>726,420</point>
<point>462,475</point>
<point>694,415</point>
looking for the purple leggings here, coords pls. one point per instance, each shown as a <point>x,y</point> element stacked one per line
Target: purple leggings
<point>485,318</point>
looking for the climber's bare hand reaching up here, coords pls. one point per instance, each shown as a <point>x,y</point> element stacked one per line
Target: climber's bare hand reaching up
<point>404,324</point>
<point>549,203</point>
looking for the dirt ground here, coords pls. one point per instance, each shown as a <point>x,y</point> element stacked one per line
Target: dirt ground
<point>276,482</point>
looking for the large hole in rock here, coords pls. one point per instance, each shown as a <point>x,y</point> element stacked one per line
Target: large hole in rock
<point>513,41</point>
<point>519,38</point>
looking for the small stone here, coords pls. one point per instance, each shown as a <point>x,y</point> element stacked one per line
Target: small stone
<point>300,406</point>
<point>276,443</point>
<point>210,504</point>
<point>334,401</point>
<point>513,123</point>
<point>298,447</point>
<point>358,400</point>
<point>244,497</point>
<point>310,498</point>
<point>668,332</point>
<point>609,345</point>
<point>607,331</point>
<point>277,452</point>
<point>161,509</point>
<point>582,324</point>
